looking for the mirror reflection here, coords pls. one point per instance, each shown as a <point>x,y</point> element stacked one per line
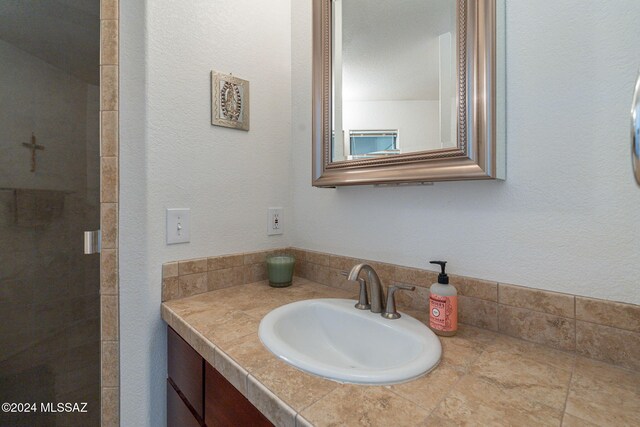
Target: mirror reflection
<point>393,77</point>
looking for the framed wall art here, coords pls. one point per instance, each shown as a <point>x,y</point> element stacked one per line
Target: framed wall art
<point>229,101</point>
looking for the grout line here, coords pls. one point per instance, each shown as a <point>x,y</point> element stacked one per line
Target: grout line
<point>566,398</point>
<point>338,385</point>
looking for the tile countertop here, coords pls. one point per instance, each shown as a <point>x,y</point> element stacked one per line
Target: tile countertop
<point>484,378</point>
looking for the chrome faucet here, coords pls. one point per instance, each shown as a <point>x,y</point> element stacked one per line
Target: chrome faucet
<point>377,293</point>
<point>377,299</point>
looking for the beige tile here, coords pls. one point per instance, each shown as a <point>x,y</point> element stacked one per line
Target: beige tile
<point>219,279</point>
<point>229,327</point>
<point>299,254</point>
<point>478,312</point>
<point>553,331</point>
<point>415,276</point>
<point>604,395</point>
<point>224,261</point>
<point>109,134</point>
<point>109,317</point>
<point>109,42</point>
<point>429,390</point>
<point>309,271</point>
<point>459,353</point>
<point>170,269</point>
<point>249,352</point>
<point>271,406</point>
<point>608,344</point>
<point>475,401</point>
<point>475,288</point>
<point>480,337</point>
<point>109,179</point>
<point>192,284</point>
<point>170,288</point>
<point>319,258</point>
<point>333,278</point>
<point>417,299</point>
<point>529,379</point>
<point>298,389</point>
<point>364,406</point>
<point>188,306</point>
<point>109,9</point>
<point>233,372</point>
<point>109,225</point>
<point>253,273</point>
<point>538,300</point>
<point>528,350</point>
<point>192,266</point>
<point>110,406</point>
<point>110,364</point>
<point>255,257</point>
<point>569,420</point>
<point>327,276</point>
<point>608,313</point>
<point>109,272</point>
<point>108,87</point>
<point>341,263</point>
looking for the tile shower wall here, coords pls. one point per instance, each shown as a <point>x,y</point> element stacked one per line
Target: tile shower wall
<point>598,329</point>
<point>109,205</point>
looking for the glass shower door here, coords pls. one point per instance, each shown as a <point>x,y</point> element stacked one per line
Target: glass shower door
<point>49,194</point>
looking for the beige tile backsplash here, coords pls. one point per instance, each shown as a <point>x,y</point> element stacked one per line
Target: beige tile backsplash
<point>599,329</point>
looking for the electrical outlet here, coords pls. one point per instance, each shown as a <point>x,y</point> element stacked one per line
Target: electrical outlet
<point>178,226</point>
<point>275,224</point>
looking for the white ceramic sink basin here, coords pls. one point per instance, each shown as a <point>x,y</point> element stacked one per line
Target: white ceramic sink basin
<point>333,339</point>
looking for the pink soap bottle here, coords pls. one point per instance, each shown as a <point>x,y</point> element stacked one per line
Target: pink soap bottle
<point>443,305</point>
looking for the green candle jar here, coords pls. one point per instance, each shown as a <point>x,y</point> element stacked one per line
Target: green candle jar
<point>280,270</point>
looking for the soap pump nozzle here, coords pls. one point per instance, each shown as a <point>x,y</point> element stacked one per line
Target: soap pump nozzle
<point>442,277</point>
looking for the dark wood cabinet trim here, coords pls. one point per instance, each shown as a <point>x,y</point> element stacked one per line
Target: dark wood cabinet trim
<point>179,412</point>
<point>186,371</point>
<point>225,406</point>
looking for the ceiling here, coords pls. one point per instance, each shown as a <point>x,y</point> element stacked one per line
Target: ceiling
<point>63,33</point>
<point>390,48</point>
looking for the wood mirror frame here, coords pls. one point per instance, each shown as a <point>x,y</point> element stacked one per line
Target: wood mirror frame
<point>480,151</point>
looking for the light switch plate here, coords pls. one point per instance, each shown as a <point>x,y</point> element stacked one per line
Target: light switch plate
<point>275,221</point>
<point>178,225</point>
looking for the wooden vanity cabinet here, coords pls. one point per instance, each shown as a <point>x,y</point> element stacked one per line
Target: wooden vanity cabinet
<point>198,395</point>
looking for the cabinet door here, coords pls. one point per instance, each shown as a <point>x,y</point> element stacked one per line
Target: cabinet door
<point>178,414</point>
<point>226,406</point>
<point>186,370</point>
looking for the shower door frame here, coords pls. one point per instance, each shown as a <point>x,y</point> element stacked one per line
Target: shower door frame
<point>109,203</point>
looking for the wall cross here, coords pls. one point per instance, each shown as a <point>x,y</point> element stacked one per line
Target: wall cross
<point>33,147</point>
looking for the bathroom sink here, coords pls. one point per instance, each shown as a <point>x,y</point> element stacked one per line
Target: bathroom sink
<point>333,339</point>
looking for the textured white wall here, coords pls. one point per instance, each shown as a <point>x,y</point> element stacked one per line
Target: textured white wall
<point>172,156</point>
<point>566,218</point>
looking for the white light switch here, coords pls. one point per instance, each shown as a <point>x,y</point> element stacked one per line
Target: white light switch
<point>178,225</point>
<point>275,221</point>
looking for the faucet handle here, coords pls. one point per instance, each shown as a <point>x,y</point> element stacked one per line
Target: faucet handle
<point>390,312</point>
<point>363,299</point>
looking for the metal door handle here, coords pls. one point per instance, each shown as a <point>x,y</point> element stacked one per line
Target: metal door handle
<point>92,242</point>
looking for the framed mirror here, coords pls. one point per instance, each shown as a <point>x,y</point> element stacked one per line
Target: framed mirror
<point>408,91</point>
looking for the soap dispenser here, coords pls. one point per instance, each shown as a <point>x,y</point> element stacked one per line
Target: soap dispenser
<point>443,304</point>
